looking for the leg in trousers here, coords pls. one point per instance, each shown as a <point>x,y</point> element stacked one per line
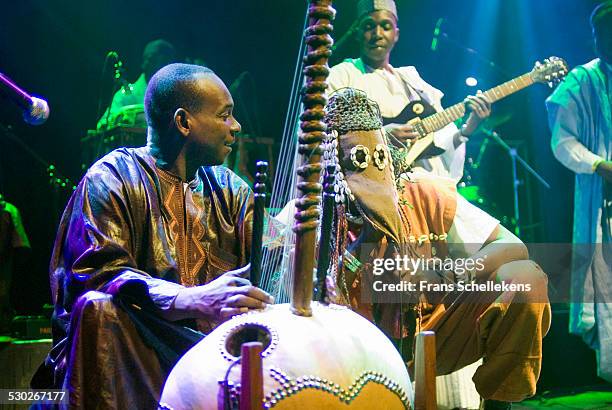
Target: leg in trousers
<point>505,328</point>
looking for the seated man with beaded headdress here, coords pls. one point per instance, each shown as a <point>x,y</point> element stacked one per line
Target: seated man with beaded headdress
<point>497,309</point>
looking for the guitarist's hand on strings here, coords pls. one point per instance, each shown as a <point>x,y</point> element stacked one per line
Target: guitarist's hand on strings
<point>480,108</point>
<point>401,134</point>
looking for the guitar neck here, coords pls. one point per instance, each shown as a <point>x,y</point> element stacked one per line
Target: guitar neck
<point>441,119</point>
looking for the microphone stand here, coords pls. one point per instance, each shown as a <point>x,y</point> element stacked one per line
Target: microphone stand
<point>514,157</point>
<point>56,179</point>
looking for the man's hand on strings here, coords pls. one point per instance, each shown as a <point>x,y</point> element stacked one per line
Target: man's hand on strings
<point>479,108</point>
<point>228,295</point>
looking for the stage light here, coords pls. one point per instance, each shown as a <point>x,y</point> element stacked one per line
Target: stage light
<point>471,82</point>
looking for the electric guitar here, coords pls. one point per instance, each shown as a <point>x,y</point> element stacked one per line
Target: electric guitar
<point>426,121</point>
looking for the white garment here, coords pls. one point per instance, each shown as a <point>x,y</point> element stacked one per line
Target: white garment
<point>470,229</point>
<point>392,90</point>
<point>573,154</point>
<point>471,225</point>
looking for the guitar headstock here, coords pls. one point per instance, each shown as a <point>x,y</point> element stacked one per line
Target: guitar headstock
<point>550,72</point>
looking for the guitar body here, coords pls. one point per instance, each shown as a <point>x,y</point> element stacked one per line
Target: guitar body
<point>415,109</point>
<point>412,113</point>
<point>426,120</point>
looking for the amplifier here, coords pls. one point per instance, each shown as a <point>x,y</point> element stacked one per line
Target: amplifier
<point>31,327</point>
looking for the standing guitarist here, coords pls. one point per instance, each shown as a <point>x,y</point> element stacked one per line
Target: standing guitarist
<point>401,93</point>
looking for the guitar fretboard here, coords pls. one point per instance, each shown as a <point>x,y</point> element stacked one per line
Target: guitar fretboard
<point>441,119</point>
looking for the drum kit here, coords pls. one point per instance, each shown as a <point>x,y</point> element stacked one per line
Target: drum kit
<point>472,188</point>
<point>126,128</point>
<point>472,185</point>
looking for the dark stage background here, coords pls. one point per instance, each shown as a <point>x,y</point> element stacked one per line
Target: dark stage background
<point>56,49</point>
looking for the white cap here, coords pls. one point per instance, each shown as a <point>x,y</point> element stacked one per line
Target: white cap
<point>368,6</point>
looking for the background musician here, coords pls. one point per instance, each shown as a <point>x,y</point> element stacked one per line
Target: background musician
<point>394,88</point>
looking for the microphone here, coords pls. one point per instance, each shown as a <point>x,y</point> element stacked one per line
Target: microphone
<point>436,34</point>
<point>35,110</point>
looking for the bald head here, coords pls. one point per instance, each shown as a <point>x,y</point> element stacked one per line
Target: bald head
<point>190,116</point>
<point>172,87</point>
